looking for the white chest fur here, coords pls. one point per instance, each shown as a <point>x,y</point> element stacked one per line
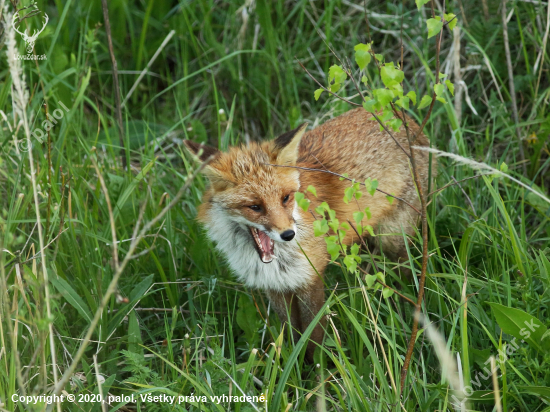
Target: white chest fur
<point>290,270</point>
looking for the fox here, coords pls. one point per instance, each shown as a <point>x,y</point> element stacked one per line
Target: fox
<point>249,209</point>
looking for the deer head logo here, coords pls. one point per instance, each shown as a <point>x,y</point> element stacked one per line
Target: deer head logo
<point>30,40</point>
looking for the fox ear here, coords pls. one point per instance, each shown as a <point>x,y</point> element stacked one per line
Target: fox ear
<point>203,152</point>
<point>200,150</point>
<point>287,145</point>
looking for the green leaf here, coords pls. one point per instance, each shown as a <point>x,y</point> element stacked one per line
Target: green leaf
<point>332,247</point>
<point>348,194</point>
<point>368,213</point>
<point>439,89</point>
<point>320,227</point>
<point>362,55</point>
<point>311,189</point>
<point>358,217</point>
<point>322,208</point>
<point>334,224</point>
<point>451,19</point>
<point>521,325</point>
<point>369,229</point>
<point>395,124</point>
<point>441,99</point>
<point>72,297</point>
<point>335,87</point>
<point>434,26</point>
<point>403,102</point>
<point>381,276</point>
<point>364,80</point>
<point>379,57</point>
<point>370,280</point>
<point>383,96</point>
<point>387,292</point>
<point>302,202</point>
<point>420,3</point>
<point>387,114</point>
<point>503,167</point>
<point>451,86</point>
<point>370,105</point>
<point>371,185</point>
<point>390,75</point>
<point>336,74</point>
<point>134,334</point>
<point>318,93</point>
<point>412,95</point>
<point>425,102</point>
<point>390,199</point>
<point>350,263</point>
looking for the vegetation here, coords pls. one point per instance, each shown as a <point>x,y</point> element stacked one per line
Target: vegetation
<point>119,261</point>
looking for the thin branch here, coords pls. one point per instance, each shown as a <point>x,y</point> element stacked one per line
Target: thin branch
<point>309,169</point>
<point>144,71</point>
<point>324,88</point>
<point>466,195</point>
<point>424,218</point>
<point>456,182</point>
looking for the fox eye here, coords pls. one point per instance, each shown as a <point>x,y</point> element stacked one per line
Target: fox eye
<point>285,199</point>
<point>255,208</point>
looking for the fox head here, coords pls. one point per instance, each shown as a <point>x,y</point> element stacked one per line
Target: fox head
<point>252,190</point>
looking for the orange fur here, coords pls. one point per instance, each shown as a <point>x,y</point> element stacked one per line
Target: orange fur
<point>242,177</point>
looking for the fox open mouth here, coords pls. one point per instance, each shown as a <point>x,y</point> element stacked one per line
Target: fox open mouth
<point>264,244</point>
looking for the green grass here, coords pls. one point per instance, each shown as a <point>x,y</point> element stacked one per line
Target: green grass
<point>179,323</point>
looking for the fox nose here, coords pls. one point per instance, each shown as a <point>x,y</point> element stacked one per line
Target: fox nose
<point>288,235</point>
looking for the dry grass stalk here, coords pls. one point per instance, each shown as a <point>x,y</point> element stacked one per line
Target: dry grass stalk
<point>20,97</point>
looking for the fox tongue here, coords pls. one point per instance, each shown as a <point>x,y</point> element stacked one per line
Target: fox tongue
<point>265,241</point>
<point>264,245</point>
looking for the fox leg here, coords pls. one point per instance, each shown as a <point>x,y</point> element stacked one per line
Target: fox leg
<point>286,307</point>
<point>310,302</point>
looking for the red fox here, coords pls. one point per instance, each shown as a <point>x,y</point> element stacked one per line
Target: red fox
<point>250,212</point>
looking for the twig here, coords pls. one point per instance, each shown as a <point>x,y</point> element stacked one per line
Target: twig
<point>115,81</point>
<point>374,114</point>
<point>309,169</point>
<point>424,218</point>
<point>112,286</point>
<point>389,287</point>
<point>511,85</point>
<point>456,182</point>
<point>325,89</point>
<point>144,71</point>
<point>466,195</point>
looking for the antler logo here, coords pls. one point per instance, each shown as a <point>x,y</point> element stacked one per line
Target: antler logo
<point>30,40</point>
